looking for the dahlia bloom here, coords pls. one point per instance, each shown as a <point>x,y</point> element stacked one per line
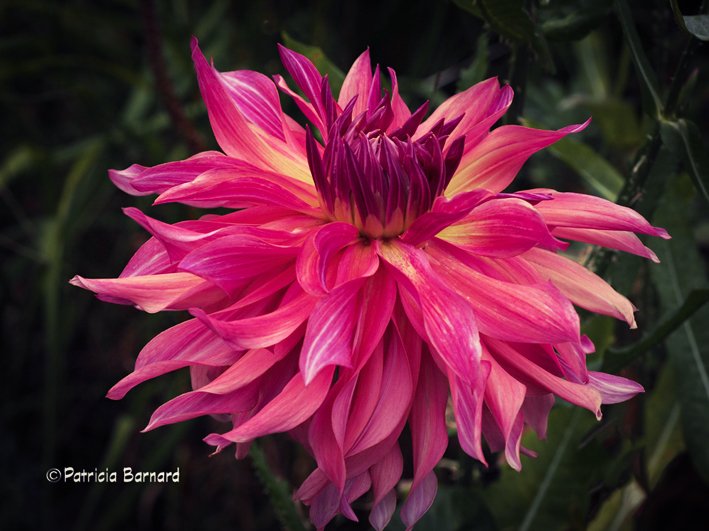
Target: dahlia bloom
<point>372,274</point>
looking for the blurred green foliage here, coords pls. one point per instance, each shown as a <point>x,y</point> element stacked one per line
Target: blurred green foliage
<point>87,86</point>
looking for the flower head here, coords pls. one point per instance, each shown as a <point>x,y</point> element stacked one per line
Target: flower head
<point>372,272</point>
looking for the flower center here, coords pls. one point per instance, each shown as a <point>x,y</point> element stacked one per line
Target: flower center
<point>381,180</point>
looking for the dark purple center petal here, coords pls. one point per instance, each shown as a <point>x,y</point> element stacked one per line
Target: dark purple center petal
<point>381,182</point>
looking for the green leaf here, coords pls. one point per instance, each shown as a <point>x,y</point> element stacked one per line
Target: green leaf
<point>319,59</point>
<point>642,64</point>
<point>682,270</point>
<point>457,509</point>
<point>277,490</point>
<point>471,6</point>
<point>571,20</point>
<point>620,358</point>
<point>478,67</point>
<point>551,492</point>
<point>508,18</point>
<point>685,140</point>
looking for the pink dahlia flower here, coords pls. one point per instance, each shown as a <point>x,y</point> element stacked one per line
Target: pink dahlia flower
<point>370,275</point>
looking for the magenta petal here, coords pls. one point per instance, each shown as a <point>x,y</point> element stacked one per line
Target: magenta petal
<point>263,330</point>
<point>444,312</point>
<point>525,370</point>
<point>589,212</point>
<point>419,500</point>
<point>385,474</point>
<point>328,338</point>
<point>294,405</point>
<point>233,132</point>
<point>504,396</point>
<point>613,389</point>
<point>357,83</point>
<point>245,187</point>
<point>583,287</point>
<point>536,412</point>
<point>153,293</point>
<point>467,406</point>
<point>257,98</point>
<point>501,228</point>
<point>513,312</point>
<point>382,511</point>
<point>621,240</point>
<point>495,161</point>
<point>427,420</point>
<point>196,404</point>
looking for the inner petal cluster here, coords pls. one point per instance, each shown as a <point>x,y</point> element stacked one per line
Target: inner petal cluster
<point>382,181</point>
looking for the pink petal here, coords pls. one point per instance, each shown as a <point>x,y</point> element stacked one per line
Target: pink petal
<point>419,500</point>
<point>231,261</point>
<point>474,105</point>
<point>526,371</point>
<point>429,435</point>
<point>467,406</point>
<point>235,135</point>
<point>294,405</point>
<point>394,400</point>
<point>621,240</point>
<point>399,108</point>
<point>150,259</point>
<point>141,180</point>
<point>588,212</point>
<point>153,293</point>
<point>185,344</point>
<point>613,389</point>
<point>504,396</point>
<point>376,307</point>
<point>315,260</point>
<point>263,330</point>
<point>386,474</point>
<point>257,98</point>
<point>241,188</point>
<point>357,83</point>
<point>382,511</point>
<point>495,161</point>
<point>444,312</point>
<point>513,312</point>
<point>501,228</point>
<point>536,412</point>
<point>328,338</point>
<point>197,403</point>
<point>583,287</point>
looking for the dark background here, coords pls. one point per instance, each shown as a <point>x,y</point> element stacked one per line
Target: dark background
<point>91,85</point>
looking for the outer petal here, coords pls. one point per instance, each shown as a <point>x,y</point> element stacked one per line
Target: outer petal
<point>512,312</point>
<point>328,338</point>
<point>141,180</point>
<point>583,287</point>
<point>240,188</point>
<point>445,314</point>
<point>186,344</point>
<point>584,211</point>
<point>495,161</point>
<point>263,330</point>
<point>501,228</point>
<point>294,405</point>
<point>153,293</point>
<point>237,137</point>
<point>525,370</point>
<point>357,83</point>
<point>613,388</point>
<point>621,240</point>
